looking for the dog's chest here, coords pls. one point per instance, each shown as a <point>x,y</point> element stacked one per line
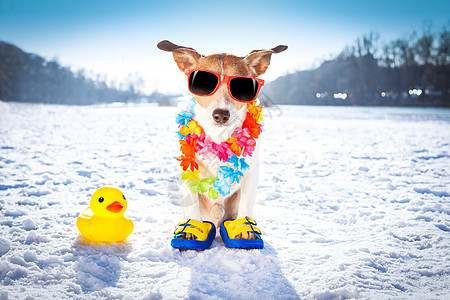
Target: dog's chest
<point>209,166</point>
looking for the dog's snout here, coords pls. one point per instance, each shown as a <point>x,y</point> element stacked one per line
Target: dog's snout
<point>221,116</point>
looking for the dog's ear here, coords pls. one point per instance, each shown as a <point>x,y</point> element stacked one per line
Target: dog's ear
<point>185,57</point>
<point>259,60</point>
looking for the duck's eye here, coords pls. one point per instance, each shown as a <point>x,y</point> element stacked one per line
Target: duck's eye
<point>123,196</point>
<point>101,199</point>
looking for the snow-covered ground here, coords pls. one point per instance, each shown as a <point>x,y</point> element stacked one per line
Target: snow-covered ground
<point>353,203</point>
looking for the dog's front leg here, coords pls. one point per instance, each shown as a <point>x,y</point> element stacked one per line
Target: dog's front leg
<point>249,185</point>
<point>189,202</point>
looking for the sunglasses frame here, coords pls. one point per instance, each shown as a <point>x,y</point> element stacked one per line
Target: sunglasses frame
<point>227,79</point>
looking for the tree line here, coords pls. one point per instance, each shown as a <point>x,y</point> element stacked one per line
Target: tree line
<point>27,77</point>
<point>405,71</point>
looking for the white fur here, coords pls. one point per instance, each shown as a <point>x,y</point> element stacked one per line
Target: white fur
<point>210,165</point>
<point>219,133</point>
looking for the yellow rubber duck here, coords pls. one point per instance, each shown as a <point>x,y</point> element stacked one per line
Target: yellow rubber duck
<point>103,220</point>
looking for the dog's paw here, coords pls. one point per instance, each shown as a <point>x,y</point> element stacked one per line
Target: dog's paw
<point>188,236</point>
<point>247,236</point>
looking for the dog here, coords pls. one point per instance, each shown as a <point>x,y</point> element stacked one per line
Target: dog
<point>219,114</point>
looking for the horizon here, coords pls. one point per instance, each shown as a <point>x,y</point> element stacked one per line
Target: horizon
<point>118,40</point>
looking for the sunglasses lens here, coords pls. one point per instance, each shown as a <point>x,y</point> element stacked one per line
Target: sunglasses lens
<point>202,83</point>
<point>244,89</point>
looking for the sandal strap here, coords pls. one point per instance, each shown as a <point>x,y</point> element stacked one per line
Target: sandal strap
<point>238,226</point>
<point>199,229</point>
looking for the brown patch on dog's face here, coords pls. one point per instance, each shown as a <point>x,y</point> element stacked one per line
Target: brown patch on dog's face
<point>225,64</point>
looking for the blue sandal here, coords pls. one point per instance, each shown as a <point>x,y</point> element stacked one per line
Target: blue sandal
<point>230,229</point>
<point>204,233</point>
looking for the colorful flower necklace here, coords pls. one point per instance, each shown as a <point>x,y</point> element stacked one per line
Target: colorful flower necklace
<point>193,140</point>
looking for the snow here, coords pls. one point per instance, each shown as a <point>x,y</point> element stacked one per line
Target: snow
<point>352,202</point>
<point>4,246</point>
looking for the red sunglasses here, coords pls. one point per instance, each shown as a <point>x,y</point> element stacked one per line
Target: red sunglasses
<point>240,88</point>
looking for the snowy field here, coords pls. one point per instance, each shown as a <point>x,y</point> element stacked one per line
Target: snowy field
<point>352,202</point>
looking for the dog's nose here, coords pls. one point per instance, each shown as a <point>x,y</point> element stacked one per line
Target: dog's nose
<point>221,116</point>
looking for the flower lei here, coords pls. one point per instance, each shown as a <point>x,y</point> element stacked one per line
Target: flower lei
<point>193,140</point>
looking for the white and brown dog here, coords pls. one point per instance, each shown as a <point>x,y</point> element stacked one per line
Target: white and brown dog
<point>220,114</point>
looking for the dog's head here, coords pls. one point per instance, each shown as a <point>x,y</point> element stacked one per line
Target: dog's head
<point>219,108</point>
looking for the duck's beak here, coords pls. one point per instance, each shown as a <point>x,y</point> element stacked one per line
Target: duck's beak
<point>115,207</point>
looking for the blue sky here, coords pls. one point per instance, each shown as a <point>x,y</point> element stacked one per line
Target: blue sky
<point>119,37</point>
